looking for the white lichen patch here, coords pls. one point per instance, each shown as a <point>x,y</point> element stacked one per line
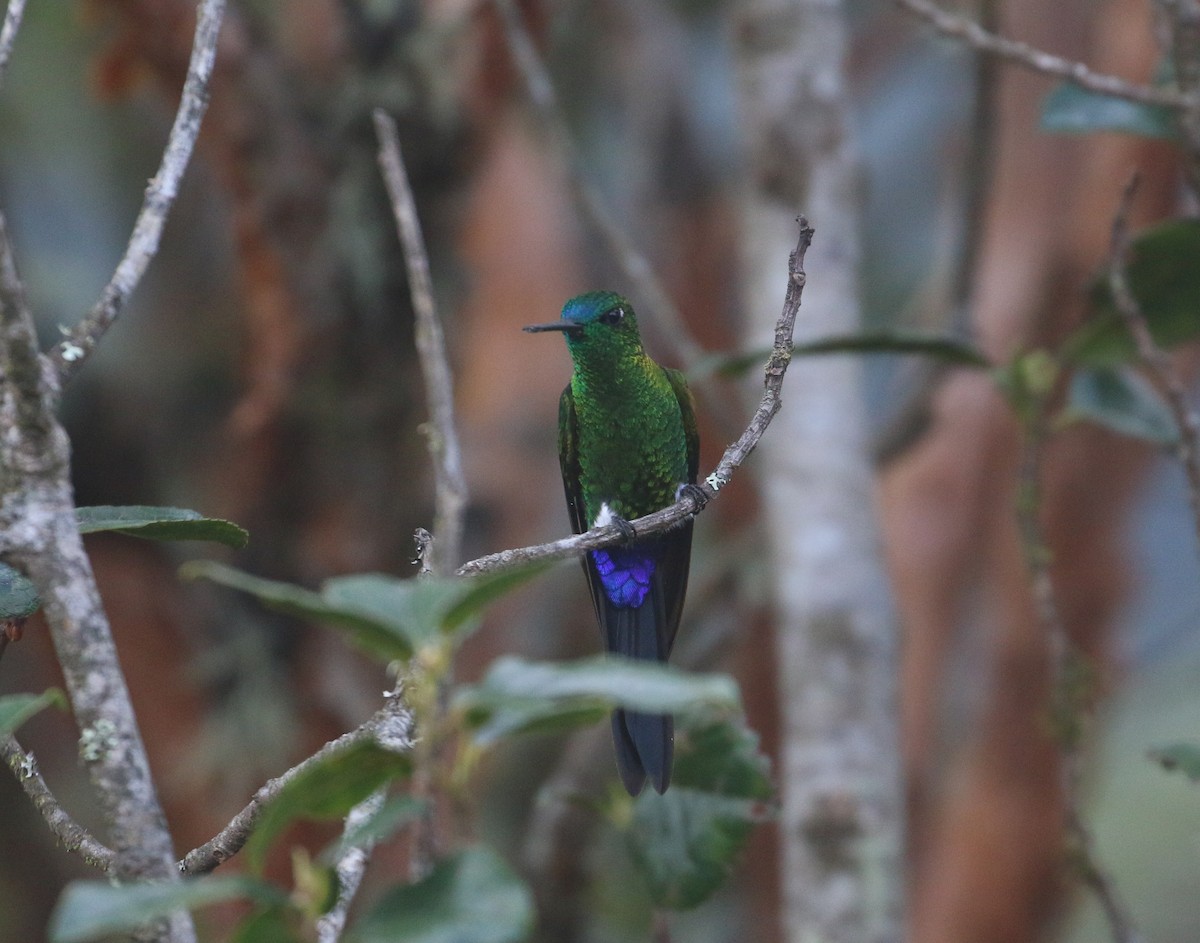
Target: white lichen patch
<point>97,740</point>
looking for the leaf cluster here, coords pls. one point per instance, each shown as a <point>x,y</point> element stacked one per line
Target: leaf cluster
<point>684,843</point>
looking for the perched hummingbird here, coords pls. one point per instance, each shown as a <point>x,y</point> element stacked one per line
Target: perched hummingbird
<point>628,446</point>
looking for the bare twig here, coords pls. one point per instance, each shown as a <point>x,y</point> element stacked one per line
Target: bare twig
<point>666,321</point>
<point>73,836</point>
<point>689,502</point>
<point>451,487</point>
<point>391,726</point>
<point>8,33</point>
<point>79,343</point>
<point>974,35</point>
<point>1151,355</point>
<point>27,387</point>
<point>1067,709</point>
<point>350,869</point>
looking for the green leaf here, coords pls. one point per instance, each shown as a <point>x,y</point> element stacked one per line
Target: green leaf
<point>154,523</point>
<point>1122,400</point>
<point>1069,109</point>
<point>393,815</point>
<point>15,709</point>
<point>686,841</point>
<point>18,598</point>
<point>412,609</point>
<point>1184,757</point>
<point>272,925</point>
<point>517,696</point>
<point>328,789</point>
<point>1165,280</point>
<point>378,639</point>
<point>387,616</point>
<point>473,897</point>
<point>90,910</point>
<point>478,592</point>
<point>938,346</point>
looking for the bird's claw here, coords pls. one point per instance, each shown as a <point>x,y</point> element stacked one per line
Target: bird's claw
<point>628,532</point>
<point>698,495</point>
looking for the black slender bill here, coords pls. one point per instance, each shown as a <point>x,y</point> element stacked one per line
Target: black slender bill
<point>566,325</point>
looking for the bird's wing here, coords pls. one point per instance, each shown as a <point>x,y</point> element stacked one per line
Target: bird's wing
<point>687,411</point>
<point>568,462</point>
<point>677,542</point>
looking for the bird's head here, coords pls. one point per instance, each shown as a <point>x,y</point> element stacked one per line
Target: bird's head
<point>599,324</point>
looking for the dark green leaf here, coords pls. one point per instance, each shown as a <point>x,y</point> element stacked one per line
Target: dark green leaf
<point>15,709</point>
<point>722,757</point>
<point>518,696</point>
<point>327,789</point>
<point>378,639</point>
<point>90,910</point>
<point>393,815</point>
<point>686,841</point>
<point>1070,109</point>
<point>473,897</point>
<point>412,609</point>
<point>389,617</point>
<point>1184,757</point>
<point>156,523</point>
<point>18,598</point>
<point>939,347</point>
<point>1122,400</point>
<point>1165,280</point>
<point>272,925</point>
<point>478,592</point>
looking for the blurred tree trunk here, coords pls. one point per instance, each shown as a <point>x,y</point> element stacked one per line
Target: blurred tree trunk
<point>986,848</point>
<point>837,665</point>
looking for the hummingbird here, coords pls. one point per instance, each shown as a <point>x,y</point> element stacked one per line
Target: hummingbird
<point>628,446</point>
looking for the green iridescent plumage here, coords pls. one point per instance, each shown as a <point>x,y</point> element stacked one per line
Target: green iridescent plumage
<point>627,443</point>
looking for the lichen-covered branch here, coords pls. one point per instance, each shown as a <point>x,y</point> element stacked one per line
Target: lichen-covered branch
<point>975,36</point>
<point>77,346</point>
<point>40,537</point>
<point>70,834</point>
<point>690,502</point>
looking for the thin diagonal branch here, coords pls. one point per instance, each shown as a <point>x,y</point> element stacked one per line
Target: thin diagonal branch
<point>690,502</point>
<point>975,36</point>
<point>78,345</point>
<point>1153,358</point>
<point>666,321</point>
<point>390,726</point>
<point>451,486</point>
<point>1067,708</point>
<point>71,835</point>
<point>8,33</point>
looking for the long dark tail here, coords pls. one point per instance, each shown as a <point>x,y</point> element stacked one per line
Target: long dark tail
<point>645,746</point>
<point>645,742</point>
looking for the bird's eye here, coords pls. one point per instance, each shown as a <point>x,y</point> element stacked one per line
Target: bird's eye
<point>613,316</point>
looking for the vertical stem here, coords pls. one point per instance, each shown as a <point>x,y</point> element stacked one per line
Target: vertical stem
<point>841,821</point>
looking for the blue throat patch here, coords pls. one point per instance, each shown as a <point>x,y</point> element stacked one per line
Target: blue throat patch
<point>625,573</point>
